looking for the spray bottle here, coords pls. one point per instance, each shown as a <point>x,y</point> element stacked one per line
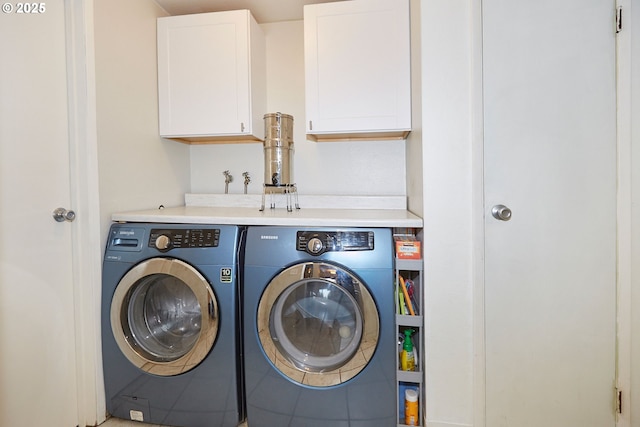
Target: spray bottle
<point>407,358</point>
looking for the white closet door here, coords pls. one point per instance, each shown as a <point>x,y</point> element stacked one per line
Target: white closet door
<point>37,327</point>
<point>550,157</point>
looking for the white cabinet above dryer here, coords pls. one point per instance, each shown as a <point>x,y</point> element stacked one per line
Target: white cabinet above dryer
<point>358,69</point>
<point>211,77</point>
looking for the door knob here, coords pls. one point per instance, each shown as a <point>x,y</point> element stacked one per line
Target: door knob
<point>501,212</point>
<point>61,215</point>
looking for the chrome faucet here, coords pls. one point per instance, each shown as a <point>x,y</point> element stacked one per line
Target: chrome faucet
<point>247,180</point>
<point>227,179</point>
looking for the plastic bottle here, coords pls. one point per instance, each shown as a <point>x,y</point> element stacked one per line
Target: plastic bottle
<point>411,407</point>
<point>407,359</point>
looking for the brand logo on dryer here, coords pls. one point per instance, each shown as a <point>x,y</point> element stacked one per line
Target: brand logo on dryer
<point>268,237</point>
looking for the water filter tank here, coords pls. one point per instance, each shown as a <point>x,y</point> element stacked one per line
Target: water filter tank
<point>278,149</point>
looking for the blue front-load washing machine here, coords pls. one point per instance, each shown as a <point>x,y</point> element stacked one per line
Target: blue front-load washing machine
<point>170,324</point>
<point>319,334</point>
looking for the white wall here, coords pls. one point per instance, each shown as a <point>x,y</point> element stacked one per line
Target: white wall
<point>413,161</point>
<point>138,169</point>
<point>447,129</point>
<point>345,168</point>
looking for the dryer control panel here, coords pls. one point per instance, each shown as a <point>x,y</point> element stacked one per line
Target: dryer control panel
<point>319,242</point>
<point>166,239</point>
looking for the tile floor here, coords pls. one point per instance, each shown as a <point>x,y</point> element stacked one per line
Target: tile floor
<point>116,422</point>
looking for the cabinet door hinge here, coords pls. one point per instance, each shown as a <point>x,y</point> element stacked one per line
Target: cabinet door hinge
<point>618,401</point>
<point>618,19</point>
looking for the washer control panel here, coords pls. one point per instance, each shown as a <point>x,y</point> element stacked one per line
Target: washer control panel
<point>319,242</point>
<point>167,239</point>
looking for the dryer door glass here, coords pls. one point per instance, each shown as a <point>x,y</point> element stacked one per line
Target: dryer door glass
<point>164,316</point>
<point>318,324</point>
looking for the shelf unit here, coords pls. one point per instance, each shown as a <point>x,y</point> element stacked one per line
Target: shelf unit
<point>410,269</point>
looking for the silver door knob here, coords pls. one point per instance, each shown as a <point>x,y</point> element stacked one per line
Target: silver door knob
<point>501,212</point>
<point>62,215</point>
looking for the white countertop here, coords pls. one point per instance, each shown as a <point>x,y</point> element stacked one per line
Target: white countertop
<point>350,212</point>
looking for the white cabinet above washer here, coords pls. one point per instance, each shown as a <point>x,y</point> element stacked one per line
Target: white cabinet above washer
<point>211,77</point>
<point>358,69</point>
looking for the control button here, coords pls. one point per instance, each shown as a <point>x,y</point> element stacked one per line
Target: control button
<point>315,246</point>
<point>162,242</point>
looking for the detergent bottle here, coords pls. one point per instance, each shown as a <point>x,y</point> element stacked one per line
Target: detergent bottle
<point>407,358</point>
<point>411,407</point>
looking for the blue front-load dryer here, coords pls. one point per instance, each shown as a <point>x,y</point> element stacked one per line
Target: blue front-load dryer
<point>319,334</point>
<point>170,324</point>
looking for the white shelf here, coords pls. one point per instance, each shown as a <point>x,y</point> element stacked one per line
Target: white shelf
<point>408,264</point>
<point>405,320</point>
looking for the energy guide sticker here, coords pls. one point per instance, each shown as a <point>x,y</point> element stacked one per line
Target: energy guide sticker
<point>226,274</point>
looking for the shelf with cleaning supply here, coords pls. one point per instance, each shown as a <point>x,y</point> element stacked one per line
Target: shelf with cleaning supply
<point>409,326</point>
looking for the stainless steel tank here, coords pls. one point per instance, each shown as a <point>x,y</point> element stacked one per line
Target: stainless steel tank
<point>278,149</point>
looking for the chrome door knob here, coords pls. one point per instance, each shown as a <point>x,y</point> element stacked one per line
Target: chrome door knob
<point>501,212</point>
<point>62,215</point>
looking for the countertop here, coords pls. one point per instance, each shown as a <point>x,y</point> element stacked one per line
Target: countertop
<point>345,211</point>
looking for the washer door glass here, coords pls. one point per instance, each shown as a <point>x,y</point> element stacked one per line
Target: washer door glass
<point>319,324</point>
<point>164,316</point>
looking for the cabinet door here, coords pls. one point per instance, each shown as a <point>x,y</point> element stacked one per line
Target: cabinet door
<point>203,74</point>
<point>357,66</point>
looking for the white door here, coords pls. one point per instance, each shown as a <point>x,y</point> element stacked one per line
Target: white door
<point>550,156</point>
<point>37,347</point>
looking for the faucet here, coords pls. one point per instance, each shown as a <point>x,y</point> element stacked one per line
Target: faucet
<point>227,179</point>
<point>247,180</point>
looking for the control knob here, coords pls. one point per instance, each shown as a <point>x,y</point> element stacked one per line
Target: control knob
<point>315,246</point>
<point>163,242</point>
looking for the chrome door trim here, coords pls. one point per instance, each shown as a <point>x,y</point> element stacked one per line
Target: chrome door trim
<point>204,295</point>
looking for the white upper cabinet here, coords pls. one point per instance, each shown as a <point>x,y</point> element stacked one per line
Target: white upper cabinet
<point>211,77</point>
<point>357,69</point>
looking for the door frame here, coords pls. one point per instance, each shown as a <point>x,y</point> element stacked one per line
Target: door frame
<point>86,242</point>
<point>624,214</point>
<point>625,278</point>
